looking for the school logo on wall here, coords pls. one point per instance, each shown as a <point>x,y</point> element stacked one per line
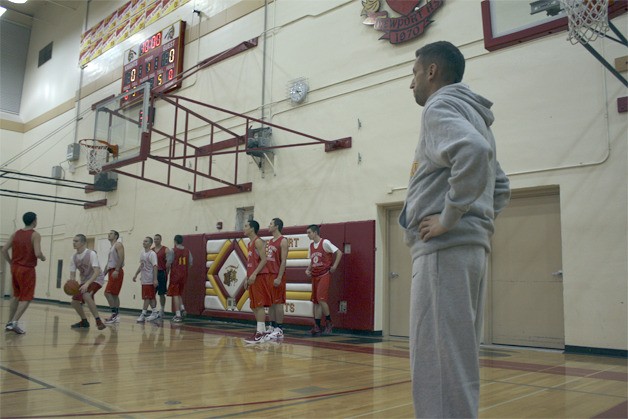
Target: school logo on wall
<point>230,275</point>
<point>412,23</point>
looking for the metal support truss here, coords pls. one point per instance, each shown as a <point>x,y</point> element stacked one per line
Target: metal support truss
<point>198,160</point>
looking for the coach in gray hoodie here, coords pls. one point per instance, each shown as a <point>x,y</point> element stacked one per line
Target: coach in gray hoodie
<point>455,192</point>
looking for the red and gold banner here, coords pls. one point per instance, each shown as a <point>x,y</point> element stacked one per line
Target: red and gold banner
<point>126,21</point>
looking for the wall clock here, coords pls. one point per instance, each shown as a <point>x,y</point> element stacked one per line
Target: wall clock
<point>298,90</point>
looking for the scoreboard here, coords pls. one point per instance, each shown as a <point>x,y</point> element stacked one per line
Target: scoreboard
<point>157,60</point>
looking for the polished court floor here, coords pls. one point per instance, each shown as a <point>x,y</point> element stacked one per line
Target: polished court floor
<point>203,369</point>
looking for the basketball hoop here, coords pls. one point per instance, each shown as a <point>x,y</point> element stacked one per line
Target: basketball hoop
<point>97,153</point>
<point>588,19</point>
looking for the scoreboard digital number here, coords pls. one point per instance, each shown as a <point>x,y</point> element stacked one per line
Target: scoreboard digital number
<point>157,60</point>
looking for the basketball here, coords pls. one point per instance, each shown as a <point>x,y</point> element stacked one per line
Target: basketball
<point>71,287</point>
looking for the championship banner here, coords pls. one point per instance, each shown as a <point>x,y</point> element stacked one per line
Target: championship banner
<point>127,20</point>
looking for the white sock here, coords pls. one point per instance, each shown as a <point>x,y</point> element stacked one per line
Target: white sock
<point>144,312</point>
<point>178,313</point>
<point>182,307</point>
<point>261,327</point>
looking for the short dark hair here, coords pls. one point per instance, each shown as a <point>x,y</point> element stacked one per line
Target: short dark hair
<point>157,234</point>
<point>82,238</point>
<point>254,225</point>
<point>315,228</point>
<point>29,218</point>
<point>178,239</point>
<point>115,233</point>
<point>278,223</point>
<point>446,56</point>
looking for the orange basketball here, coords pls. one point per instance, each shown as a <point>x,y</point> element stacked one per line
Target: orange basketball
<point>71,287</point>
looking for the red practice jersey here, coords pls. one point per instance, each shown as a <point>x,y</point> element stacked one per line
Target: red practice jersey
<point>273,255</point>
<point>23,252</point>
<point>180,264</point>
<point>321,260</point>
<point>254,259</point>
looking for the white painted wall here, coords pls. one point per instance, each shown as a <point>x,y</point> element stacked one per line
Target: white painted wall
<point>556,124</point>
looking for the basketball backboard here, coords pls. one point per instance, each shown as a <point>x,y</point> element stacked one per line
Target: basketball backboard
<point>511,22</point>
<point>122,121</point>
<point>508,22</point>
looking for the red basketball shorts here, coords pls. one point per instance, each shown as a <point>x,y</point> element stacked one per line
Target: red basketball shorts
<point>279,292</point>
<point>148,292</point>
<point>320,288</point>
<point>260,293</point>
<point>92,289</point>
<point>176,285</point>
<point>114,284</point>
<point>23,280</point>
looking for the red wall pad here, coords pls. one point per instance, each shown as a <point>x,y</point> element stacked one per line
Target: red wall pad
<point>215,287</point>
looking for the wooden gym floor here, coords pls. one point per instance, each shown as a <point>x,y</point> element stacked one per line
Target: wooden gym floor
<point>203,369</point>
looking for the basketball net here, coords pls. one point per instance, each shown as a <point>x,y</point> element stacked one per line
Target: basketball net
<point>588,19</point>
<point>96,157</point>
<point>96,154</point>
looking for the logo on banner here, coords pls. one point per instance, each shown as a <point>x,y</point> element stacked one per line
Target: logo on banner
<point>412,23</point>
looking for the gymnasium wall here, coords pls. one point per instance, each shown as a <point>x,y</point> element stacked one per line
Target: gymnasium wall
<point>556,124</point>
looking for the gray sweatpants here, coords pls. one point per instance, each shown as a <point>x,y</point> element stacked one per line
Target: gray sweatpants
<point>446,306</point>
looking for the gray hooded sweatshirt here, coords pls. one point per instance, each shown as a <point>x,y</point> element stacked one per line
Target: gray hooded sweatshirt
<point>455,172</point>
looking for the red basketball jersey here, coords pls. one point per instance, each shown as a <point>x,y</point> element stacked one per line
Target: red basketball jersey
<point>254,259</point>
<point>321,260</point>
<point>273,255</point>
<point>180,264</point>
<point>23,252</point>
<point>161,258</point>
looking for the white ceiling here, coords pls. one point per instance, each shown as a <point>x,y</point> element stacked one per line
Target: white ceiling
<point>25,13</point>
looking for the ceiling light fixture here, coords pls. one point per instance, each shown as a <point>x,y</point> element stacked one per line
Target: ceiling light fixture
<point>2,10</point>
<point>18,1</point>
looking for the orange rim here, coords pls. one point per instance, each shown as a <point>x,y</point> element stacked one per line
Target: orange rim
<point>111,148</point>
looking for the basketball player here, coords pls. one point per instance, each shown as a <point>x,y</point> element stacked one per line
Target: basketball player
<point>276,256</point>
<point>115,276</point>
<point>85,261</point>
<point>162,273</point>
<point>456,189</point>
<point>258,280</point>
<point>324,260</point>
<point>26,244</point>
<point>148,279</point>
<point>179,264</point>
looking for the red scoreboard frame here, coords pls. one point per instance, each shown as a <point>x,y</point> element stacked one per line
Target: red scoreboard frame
<point>157,60</point>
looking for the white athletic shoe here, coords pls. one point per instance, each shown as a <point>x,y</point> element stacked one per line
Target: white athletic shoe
<point>113,319</point>
<point>275,334</point>
<point>141,319</point>
<point>269,330</point>
<point>153,316</point>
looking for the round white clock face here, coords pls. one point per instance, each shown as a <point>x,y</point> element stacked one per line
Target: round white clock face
<point>298,91</point>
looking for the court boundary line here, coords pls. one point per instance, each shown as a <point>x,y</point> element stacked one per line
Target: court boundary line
<point>210,407</point>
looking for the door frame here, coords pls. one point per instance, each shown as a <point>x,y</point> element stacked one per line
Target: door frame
<point>384,212</point>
